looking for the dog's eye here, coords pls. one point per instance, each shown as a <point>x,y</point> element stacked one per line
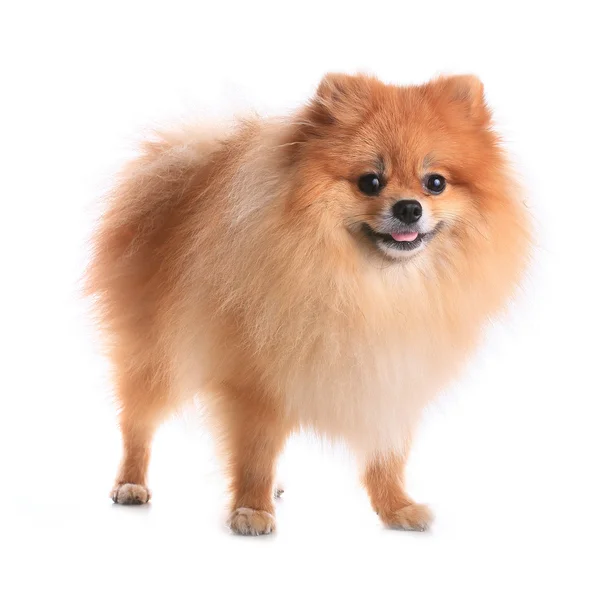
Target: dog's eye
<point>435,183</point>
<point>370,184</point>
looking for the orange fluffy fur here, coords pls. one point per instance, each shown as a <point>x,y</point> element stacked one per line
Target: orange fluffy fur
<point>234,264</point>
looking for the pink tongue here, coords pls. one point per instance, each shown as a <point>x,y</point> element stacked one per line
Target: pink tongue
<point>405,237</point>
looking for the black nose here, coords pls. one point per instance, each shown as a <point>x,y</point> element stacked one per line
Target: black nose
<point>407,211</point>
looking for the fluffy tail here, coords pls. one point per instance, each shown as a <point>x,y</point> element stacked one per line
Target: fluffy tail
<point>127,275</point>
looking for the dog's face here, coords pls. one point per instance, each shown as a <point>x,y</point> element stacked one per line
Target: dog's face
<point>395,167</point>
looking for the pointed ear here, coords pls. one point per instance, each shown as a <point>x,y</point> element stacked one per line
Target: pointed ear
<point>340,99</point>
<point>466,92</point>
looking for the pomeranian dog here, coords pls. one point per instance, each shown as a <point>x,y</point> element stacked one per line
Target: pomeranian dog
<point>330,271</point>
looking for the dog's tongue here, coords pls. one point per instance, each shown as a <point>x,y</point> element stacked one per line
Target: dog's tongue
<point>409,236</point>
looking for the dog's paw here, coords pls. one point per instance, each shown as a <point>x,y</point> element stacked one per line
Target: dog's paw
<point>414,517</point>
<point>130,493</point>
<point>246,521</point>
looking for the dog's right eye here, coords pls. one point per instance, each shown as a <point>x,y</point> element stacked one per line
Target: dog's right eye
<point>370,184</point>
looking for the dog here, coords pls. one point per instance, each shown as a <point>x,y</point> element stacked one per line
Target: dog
<point>329,271</point>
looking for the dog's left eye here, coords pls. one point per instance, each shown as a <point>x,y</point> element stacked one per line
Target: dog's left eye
<point>435,184</point>
<point>370,184</point>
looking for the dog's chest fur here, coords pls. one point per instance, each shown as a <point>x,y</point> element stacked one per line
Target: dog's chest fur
<point>368,373</point>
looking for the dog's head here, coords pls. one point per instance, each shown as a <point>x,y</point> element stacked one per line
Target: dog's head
<point>396,168</point>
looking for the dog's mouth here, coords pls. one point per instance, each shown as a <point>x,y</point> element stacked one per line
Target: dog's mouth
<point>404,241</point>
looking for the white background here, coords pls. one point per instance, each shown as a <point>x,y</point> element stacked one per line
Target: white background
<point>508,458</point>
